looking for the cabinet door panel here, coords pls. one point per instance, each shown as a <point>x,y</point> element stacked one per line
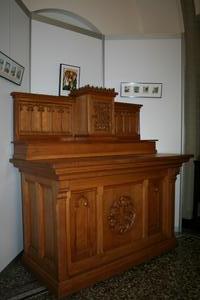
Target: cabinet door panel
<point>155,197</point>
<point>122,218</point>
<point>83,225</point>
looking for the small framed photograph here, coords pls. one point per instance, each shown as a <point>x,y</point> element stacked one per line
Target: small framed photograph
<point>10,69</point>
<point>141,89</point>
<point>69,79</point>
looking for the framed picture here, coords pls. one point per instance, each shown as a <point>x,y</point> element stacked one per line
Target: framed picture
<point>69,79</point>
<point>10,69</point>
<point>141,89</point>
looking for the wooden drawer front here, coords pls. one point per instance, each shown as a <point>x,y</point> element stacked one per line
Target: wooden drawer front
<point>83,225</point>
<point>155,199</point>
<point>122,217</point>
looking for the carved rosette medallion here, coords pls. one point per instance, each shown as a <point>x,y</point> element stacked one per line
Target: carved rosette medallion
<point>122,215</point>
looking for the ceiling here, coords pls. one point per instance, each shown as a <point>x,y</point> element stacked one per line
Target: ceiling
<point>116,18</point>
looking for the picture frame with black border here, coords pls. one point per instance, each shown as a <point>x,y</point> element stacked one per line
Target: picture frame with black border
<point>10,69</point>
<point>69,79</point>
<point>140,90</point>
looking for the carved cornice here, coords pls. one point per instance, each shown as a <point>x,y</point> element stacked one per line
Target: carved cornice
<point>88,89</point>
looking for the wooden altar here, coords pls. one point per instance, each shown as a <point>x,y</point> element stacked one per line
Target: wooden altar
<point>96,198</point>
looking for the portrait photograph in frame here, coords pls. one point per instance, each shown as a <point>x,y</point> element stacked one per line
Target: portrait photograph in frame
<point>10,69</point>
<point>69,79</point>
<point>141,89</point>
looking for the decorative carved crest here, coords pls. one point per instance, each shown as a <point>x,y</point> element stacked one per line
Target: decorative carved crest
<point>122,215</point>
<point>88,89</point>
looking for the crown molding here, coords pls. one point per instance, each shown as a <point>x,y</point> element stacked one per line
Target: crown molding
<point>47,20</point>
<point>23,7</point>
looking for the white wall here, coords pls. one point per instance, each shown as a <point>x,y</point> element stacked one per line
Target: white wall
<point>151,60</point>
<point>53,45</point>
<point>14,33</point>
<point>197,6</point>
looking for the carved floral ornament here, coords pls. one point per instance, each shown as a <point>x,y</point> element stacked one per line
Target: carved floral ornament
<point>82,202</point>
<point>122,215</point>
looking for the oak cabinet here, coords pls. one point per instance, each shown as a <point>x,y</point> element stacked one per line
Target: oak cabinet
<point>96,198</point>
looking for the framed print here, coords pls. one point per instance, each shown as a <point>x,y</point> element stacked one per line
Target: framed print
<point>10,69</point>
<point>141,89</point>
<point>69,79</point>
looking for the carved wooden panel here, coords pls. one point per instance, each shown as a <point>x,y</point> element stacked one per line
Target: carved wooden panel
<point>94,112</point>
<point>155,199</point>
<point>49,225</point>
<point>32,218</point>
<point>42,115</point>
<point>81,125</point>
<point>127,120</point>
<point>44,119</point>
<point>39,220</point>
<point>102,117</point>
<point>122,217</point>
<point>83,225</point>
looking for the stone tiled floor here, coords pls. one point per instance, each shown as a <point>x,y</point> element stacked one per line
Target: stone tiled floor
<point>174,275</point>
